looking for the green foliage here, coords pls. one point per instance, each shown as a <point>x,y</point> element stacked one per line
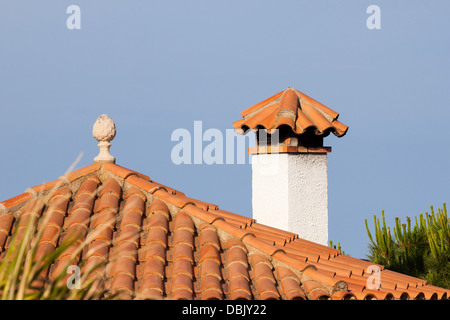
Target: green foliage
<point>338,246</point>
<point>21,270</point>
<point>422,250</point>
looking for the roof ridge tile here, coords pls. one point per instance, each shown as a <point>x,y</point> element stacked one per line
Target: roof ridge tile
<point>73,175</point>
<point>124,172</point>
<point>292,262</point>
<point>147,186</point>
<point>261,104</point>
<point>231,229</point>
<point>261,245</point>
<point>332,282</point>
<point>20,199</point>
<point>201,214</point>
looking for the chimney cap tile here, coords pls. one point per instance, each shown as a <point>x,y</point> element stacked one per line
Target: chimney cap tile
<point>294,109</point>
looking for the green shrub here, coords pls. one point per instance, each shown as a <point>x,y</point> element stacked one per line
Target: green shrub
<point>422,250</point>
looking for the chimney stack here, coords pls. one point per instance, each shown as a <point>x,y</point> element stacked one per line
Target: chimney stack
<point>289,162</point>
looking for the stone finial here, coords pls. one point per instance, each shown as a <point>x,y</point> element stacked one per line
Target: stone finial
<point>104,131</point>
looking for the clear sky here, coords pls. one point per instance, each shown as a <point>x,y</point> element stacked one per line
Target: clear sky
<point>156,66</point>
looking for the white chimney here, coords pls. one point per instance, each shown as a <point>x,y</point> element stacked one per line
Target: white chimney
<point>289,163</point>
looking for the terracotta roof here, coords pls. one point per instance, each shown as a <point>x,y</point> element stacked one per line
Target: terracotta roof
<point>160,243</point>
<point>294,109</point>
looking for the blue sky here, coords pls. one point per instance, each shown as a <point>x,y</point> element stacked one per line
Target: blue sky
<point>155,66</point>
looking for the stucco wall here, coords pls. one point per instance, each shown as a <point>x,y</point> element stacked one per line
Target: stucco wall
<point>290,193</point>
<point>270,189</point>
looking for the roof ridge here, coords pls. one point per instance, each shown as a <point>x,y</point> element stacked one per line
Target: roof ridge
<point>36,191</point>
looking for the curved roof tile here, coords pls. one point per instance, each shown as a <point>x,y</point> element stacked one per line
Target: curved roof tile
<point>294,109</point>
<point>158,243</point>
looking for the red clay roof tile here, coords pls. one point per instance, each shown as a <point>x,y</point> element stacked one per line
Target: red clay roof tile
<point>235,217</point>
<point>123,172</point>
<point>331,269</point>
<point>264,246</point>
<point>184,222</point>
<point>192,250</point>
<point>211,294</point>
<point>240,288</point>
<point>291,288</point>
<point>315,290</point>
<point>17,200</point>
<point>341,295</point>
<point>340,268</point>
<point>153,267</point>
<point>82,172</point>
<point>380,294</point>
<point>46,186</point>
<point>325,279</point>
<point>294,109</point>
<point>292,262</point>
<point>231,229</point>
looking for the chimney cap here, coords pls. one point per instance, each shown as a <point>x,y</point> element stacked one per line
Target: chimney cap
<point>294,109</point>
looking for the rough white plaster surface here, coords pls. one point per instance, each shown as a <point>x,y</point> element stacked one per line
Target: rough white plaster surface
<point>290,193</point>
